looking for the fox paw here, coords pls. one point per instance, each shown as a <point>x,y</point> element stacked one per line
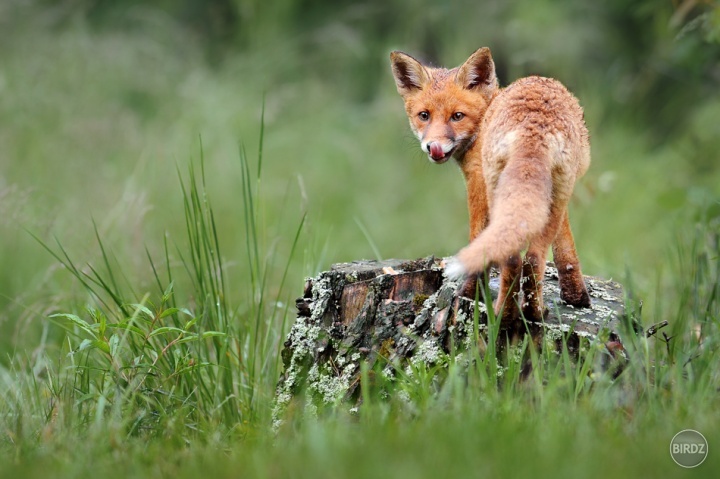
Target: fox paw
<point>454,269</point>
<point>578,298</point>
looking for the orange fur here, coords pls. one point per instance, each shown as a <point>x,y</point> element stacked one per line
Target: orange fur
<point>520,149</point>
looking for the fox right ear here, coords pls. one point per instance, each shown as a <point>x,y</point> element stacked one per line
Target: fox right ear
<point>409,73</point>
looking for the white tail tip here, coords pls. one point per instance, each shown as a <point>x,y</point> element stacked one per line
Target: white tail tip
<point>454,269</point>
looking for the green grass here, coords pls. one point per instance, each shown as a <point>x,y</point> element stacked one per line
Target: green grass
<point>174,385</point>
<point>180,212</point>
<point>171,383</point>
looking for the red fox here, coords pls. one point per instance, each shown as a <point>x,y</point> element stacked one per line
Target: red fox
<point>521,149</point>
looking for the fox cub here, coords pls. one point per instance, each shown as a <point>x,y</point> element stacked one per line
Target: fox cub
<point>520,149</point>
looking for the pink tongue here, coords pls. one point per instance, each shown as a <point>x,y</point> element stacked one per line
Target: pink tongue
<point>436,151</point>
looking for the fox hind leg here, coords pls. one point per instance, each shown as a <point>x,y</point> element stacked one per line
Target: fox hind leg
<point>532,273</point>
<point>534,265</point>
<point>506,305</point>
<point>572,286</point>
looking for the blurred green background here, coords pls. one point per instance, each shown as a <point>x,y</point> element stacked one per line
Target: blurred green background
<point>101,102</point>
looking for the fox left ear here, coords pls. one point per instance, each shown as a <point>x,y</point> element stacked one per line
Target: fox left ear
<point>478,72</point>
<point>410,75</point>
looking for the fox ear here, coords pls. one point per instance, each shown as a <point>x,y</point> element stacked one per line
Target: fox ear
<point>478,72</point>
<point>409,73</point>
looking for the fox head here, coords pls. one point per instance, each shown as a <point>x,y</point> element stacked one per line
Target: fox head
<point>445,107</point>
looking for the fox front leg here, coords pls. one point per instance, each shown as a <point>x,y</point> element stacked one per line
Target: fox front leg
<point>478,210</point>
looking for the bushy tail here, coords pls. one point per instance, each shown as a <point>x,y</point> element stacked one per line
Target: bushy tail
<point>520,211</point>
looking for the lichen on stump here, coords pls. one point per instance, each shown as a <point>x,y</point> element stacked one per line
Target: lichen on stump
<point>399,311</point>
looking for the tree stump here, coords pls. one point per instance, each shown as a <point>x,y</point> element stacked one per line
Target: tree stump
<point>398,311</point>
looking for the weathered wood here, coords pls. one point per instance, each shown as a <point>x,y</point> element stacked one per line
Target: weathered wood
<point>398,310</point>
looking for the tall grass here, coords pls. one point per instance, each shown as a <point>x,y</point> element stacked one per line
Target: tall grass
<point>162,363</point>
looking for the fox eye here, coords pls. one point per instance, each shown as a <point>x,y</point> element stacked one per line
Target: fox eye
<point>424,115</point>
<point>457,116</point>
